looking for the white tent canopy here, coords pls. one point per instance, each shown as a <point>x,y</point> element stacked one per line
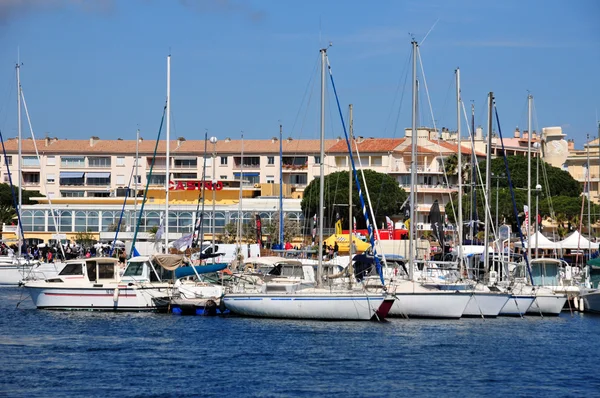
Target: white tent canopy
<point>577,241</point>
<point>541,242</point>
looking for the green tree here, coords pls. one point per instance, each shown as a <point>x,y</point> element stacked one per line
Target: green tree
<point>7,214</point>
<point>386,196</point>
<point>85,239</point>
<point>560,182</point>
<point>6,198</point>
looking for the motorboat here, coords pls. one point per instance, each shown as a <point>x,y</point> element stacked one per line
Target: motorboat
<point>94,284</point>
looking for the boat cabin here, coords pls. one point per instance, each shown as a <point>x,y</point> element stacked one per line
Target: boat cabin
<point>97,270</point>
<point>145,269</point>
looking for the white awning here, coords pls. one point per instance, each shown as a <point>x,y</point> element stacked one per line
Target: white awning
<point>71,174</point>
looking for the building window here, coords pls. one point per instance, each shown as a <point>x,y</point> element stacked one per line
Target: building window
<point>51,161</point>
<point>137,179</point>
<point>121,180</point>
<point>270,159</point>
<point>376,161</point>
<point>31,178</point>
<point>8,159</point>
<point>223,160</point>
<point>185,176</point>
<point>72,194</point>
<point>98,161</point>
<point>270,179</point>
<point>318,159</point>
<point>156,179</point>
<point>72,161</point>
<point>98,179</point>
<point>222,177</point>
<point>248,178</point>
<point>120,160</point>
<point>299,179</point>
<point>31,161</point>
<point>50,178</point>
<point>186,163</point>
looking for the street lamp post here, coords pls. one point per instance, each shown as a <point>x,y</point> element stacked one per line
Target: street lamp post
<point>213,141</point>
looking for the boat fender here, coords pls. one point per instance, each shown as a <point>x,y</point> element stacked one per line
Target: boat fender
<point>116,295</point>
<point>576,303</point>
<point>581,307</point>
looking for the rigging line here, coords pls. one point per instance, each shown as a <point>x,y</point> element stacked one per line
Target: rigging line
<point>127,191</point>
<point>199,222</point>
<point>429,31</point>
<point>512,193</point>
<point>38,156</point>
<point>480,174</point>
<point>362,172</point>
<point>358,186</point>
<point>310,85</point>
<point>435,129</point>
<point>401,99</point>
<point>137,227</point>
<point>12,191</point>
<point>405,74</point>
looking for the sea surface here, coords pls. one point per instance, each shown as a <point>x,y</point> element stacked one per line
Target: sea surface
<point>91,354</point>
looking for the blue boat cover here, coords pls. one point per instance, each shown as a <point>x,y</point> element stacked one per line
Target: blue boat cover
<point>200,269</point>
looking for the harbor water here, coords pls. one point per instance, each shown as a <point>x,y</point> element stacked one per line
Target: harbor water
<point>68,354</point>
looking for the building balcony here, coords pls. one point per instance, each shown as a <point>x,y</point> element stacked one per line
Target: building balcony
<point>294,167</point>
<point>246,166</point>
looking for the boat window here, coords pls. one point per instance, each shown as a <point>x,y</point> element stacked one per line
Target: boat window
<point>91,270</point>
<point>134,268</point>
<point>72,269</point>
<point>106,271</point>
<point>276,271</point>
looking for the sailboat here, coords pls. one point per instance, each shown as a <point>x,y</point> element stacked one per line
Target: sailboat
<point>413,299</point>
<point>309,299</point>
<point>15,268</point>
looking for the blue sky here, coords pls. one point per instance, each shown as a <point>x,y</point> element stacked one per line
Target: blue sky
<point>98,67</point>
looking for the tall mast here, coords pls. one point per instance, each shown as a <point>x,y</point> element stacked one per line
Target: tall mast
<point>488,182</point>
<point>281,187</point>
<point>321,169</point>
<point>19,159</point>
<point>528,218</point>
<point>413,165</point>
<point>240,212</point>
<point>460,187</point>
<point>168,155</point>
<point>350,222</point>
<point>474,219</point>
<point>137,157</point>
<point>589,192</point>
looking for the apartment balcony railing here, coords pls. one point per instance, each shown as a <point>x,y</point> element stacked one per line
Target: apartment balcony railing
<point>293,167</point>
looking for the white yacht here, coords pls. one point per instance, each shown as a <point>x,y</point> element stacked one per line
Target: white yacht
<point>94,284</point>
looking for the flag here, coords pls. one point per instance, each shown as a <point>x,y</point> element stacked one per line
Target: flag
<point>526,210</point>
<point>354,225</point>
<point>135,253</point>
<point>258,230</point>
<point>390,226</point>
<point>314,230</point>
<point>161,229</point>
<point>183,242</point>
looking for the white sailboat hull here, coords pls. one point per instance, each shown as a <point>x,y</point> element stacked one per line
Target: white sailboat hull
<point>97,298</point>
<point>324,306</point>
<point>551,304</point>
<point>591,301</point>
<point>488,305</point>
<point>11,274</point>
<point>430,305</point>
<point>517,305</point>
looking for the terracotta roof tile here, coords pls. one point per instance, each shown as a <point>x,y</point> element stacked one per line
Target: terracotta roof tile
<point>146,147</point>
<point>369,145</point>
